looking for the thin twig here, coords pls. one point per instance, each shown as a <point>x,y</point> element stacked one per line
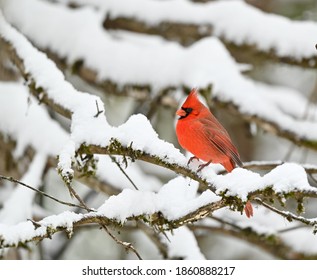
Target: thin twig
<point>225,222</point>
<point>73,193</point>
<point>290,151</point>
<point>288,215</point>
<point>155,238</point>
<point>269,165</point>
<point>127,245</point>
<point>41,192</point>
<point>312,178</point>
<point>291,228</point>
<point>98,110</point>
<point>124,173</point>
<point>239,228</point>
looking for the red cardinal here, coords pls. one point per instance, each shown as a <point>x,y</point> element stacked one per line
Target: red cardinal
<point>200,133</point>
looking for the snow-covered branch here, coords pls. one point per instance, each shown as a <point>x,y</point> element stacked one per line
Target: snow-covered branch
<point>291,42</point>
<point>125,140</point>
<point>68,222</point>
<point>114,213</point>
<point>290,216</point>
<point>131,57</point>
<point>187,33</point>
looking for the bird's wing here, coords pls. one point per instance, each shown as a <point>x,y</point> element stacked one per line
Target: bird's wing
<point>218,136</point>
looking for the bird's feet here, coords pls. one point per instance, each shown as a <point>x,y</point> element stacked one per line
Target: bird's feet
<point>191,159</point>
<point>200,167</point>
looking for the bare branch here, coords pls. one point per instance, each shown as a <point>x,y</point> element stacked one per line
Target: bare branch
<point>269,165</point>
<point>98,110</point>
<point>128,246</point>
<point>154,237</point>
<point>288,215</point>
<point>124,173</point>
<point>42,193</point>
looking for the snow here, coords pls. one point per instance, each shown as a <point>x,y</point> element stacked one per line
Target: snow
<point>23,119</point>
<point>302,240</point>
<point>283,179</point>
<point>13,234</point>
<point>25,231</point>
<point>288,177</point>
<point>179,192</point>
<point>85,127</point>
<point>65,160</point>
<point>138,132</point>
<point>18,207</point>
<point>265,31</point>
<point>182,243</point>
<point>66,220</point>
<point>109,172</point>
<point>174,200</point>
<point>297,105</point>
<point>267,223</point>
<point>263,222</point>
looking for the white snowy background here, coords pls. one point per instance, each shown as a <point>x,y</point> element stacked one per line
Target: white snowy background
<point>71,87</point>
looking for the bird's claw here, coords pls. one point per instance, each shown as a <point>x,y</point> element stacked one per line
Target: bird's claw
<point>201,166</point>
<point>191,159</point>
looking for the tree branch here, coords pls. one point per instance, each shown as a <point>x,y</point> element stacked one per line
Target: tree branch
<point>268,126</point>
<point>116,148</point>
<point>289,216</point>
<point>128,246</point>
<point>154,237</point>
<point>187,34</point>
<point>42,229</point>
<point>269,165</point>
<point>270,243</point>
<point>42,193</point>
<point>144,90</point>
<point>123,172</point>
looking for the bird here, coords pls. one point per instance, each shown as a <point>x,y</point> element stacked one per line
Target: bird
<point>199,132</point>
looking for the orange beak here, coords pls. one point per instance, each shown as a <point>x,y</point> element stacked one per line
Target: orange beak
<point>181,113</point>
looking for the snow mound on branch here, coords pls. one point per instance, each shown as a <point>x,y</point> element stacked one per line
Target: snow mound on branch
<point>283,179</point>
<point>174,200</point>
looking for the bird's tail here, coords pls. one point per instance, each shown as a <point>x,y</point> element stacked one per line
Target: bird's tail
<point>248,209</point>
<point>229,165</point>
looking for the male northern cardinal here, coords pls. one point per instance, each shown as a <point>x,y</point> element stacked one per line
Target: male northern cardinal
<point>200,133</point>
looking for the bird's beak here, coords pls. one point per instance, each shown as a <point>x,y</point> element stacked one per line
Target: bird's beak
<point>181,113</point>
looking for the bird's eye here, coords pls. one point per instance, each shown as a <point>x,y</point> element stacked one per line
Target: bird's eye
<point>187,110</point>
